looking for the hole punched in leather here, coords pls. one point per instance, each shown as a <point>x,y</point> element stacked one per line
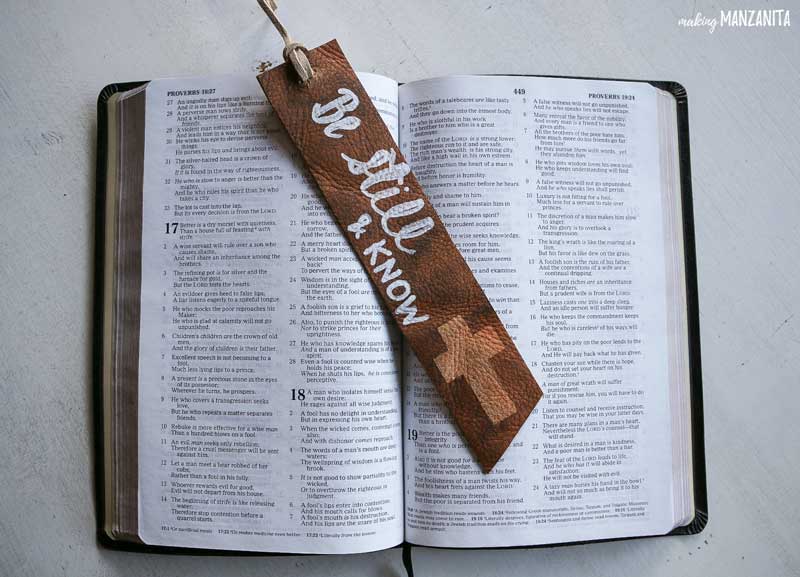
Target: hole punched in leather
<point>294,53</point>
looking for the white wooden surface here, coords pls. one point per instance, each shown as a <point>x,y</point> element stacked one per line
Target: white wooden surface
<point>743,90</point>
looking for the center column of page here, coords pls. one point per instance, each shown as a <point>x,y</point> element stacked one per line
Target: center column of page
<point>467,147</point>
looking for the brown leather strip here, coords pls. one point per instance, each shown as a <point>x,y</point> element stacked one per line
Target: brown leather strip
<point>420,274</point>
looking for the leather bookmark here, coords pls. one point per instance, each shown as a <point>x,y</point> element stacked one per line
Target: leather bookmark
<point>418,271</point>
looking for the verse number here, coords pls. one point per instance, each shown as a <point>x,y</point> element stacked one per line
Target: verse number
<point>172,227</point>
<point>519,91</point>
<point>298,394</point>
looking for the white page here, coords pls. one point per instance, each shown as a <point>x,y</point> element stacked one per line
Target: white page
<point>498,157</point>
<point>251,300</point>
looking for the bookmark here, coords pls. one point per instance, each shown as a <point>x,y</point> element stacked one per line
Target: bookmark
<point>421,276</point>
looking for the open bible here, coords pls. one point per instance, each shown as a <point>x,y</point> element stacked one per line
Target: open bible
<point>253,393</point>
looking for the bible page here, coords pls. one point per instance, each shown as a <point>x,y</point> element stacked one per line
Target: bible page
<point>550,188</point>
<point>269,374</point>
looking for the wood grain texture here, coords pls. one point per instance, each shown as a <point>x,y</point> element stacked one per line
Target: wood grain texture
<point>745,136</point>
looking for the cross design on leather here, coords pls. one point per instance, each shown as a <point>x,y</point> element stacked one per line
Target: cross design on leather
<point>468,355</point>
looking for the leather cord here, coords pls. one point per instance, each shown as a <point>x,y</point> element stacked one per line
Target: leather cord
<point>294,53</point>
